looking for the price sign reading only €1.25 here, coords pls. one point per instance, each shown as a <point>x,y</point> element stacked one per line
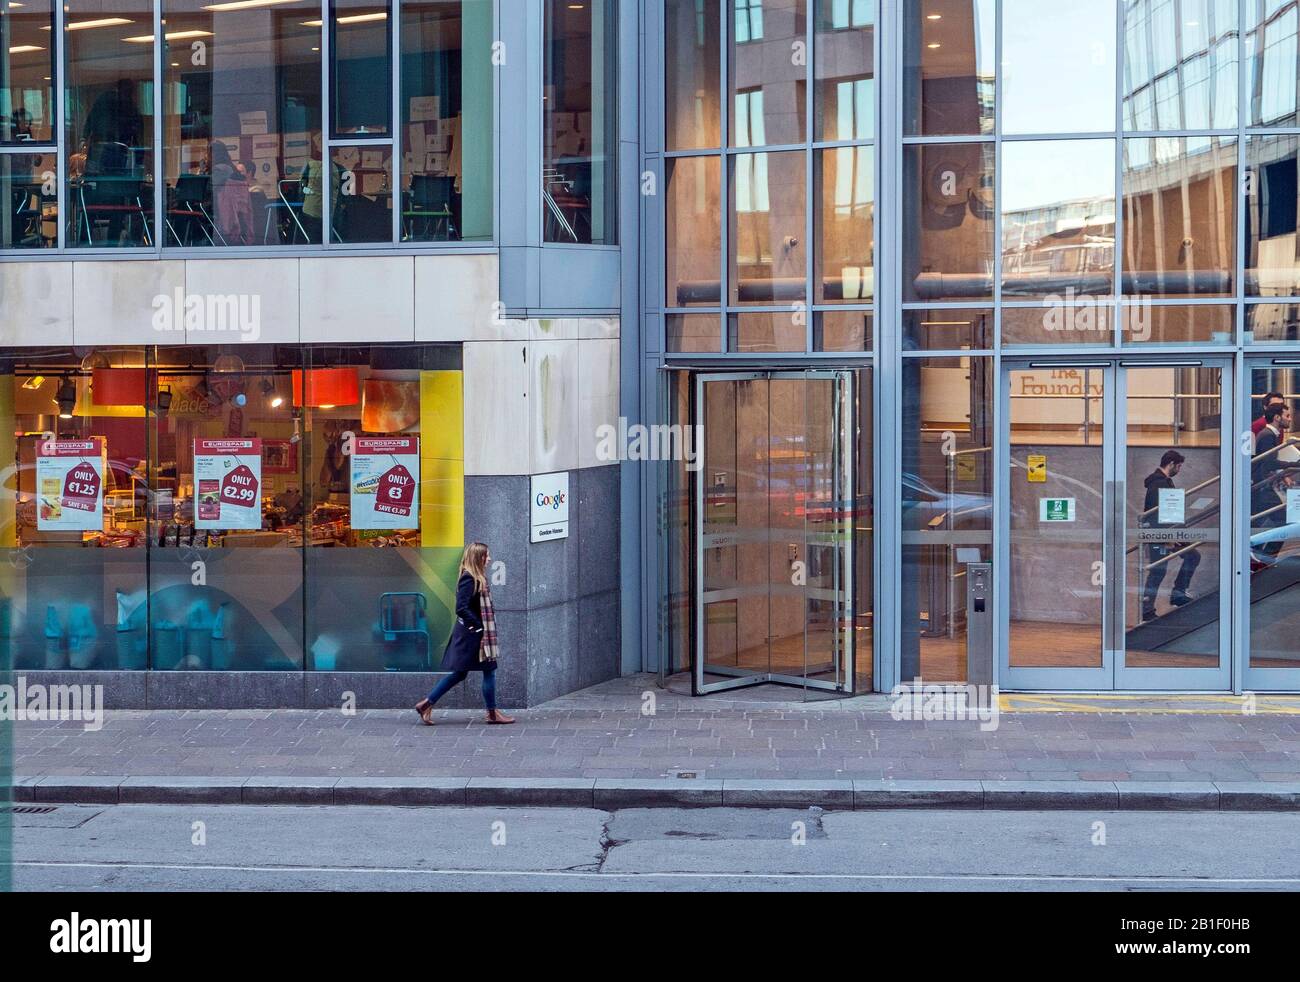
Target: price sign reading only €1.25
<point>386,483</point>
<point>228,484</point>
<point>70,485</point>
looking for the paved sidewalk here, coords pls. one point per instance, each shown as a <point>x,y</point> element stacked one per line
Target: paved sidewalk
<point>602,733</point>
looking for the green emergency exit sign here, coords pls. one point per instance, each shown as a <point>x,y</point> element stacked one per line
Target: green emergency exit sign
<point>1056,509</point>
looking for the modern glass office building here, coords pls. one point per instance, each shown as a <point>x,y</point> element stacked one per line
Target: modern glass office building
<point>872,340</point>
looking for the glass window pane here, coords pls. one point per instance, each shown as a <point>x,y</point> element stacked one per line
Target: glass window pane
<point>694,332</point>
<point>768,83</point>
<point>1273,250</point>
<point>28,185</point>
<point>108,101</point>
<point>229,413</point>
<point>1269,548</point>
<point>947,502</point>
<point>72,558</point>
<point>580,122</point>
<point>361,207</point>
<point>768,259</point>
<point>1146,323</point>
<point>1058,72</point>
<point>1056,321</point>
<point>381,584</point>
<point>360,80</point>
<point>1272,45</point>
<point>1272,322</point>
<point>948,221</point>
<point>241,122</point>
<point>448,155</point>
<point>1180,216</point>
<point>26,71</point>
<point>693,231</point>
<point>843,330</point>
<point>769,331</point>
<point>692,74</point>
<point>1058,217</point>
<point>1056,609</point>
<point>949,67</point>
<point>845,63</point>
<point>947,329</point>
<point>845,244</point>
<point>1180,68</point>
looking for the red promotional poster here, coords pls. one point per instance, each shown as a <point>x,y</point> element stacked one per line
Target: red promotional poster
<point>70,482</point>
<point>228,484</point>
<point>386,482</point>
<point>81,487</point>
<point>239,487</point>
<point>396,492</point>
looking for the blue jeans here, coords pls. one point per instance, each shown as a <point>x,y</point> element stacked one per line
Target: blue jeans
<point>456,678</point>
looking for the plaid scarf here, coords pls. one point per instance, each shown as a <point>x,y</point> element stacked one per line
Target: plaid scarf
<point>488,649</point>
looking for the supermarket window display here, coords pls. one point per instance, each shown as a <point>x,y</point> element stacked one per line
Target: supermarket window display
<point>229,507</point>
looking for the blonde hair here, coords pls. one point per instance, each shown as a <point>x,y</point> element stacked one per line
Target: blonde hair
<point>474,562</point>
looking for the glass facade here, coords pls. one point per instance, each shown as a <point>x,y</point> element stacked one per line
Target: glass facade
<point>261,124</point>
<point>788,142</point>
<point>580,123</point>
<point>221,507</point>
<point>1077,229</point>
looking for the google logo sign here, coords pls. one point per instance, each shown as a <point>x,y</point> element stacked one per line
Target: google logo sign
<point>551,500</point>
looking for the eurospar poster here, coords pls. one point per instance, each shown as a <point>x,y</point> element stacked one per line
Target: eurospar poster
<point>386,483</point>
<point>228,484</point>
<point>70,485</point>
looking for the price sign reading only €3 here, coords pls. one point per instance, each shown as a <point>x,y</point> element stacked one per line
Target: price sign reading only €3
<point>386,483</point>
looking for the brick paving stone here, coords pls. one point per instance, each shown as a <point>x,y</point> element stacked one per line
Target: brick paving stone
<point>599,735</point>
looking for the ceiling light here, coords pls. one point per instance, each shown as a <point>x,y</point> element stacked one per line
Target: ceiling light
<point>170,36</point>
<point>35,382</point>
<point>350,19</point>
<point>934,16</point>
<point>246,4</point>
<point>22,49</point>
<point>934,44</point>
<point>87,25</point>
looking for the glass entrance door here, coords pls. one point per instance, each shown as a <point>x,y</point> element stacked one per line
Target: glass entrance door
<point>1115,573</point>
<point>1270,511</point>
<point>774,531</point>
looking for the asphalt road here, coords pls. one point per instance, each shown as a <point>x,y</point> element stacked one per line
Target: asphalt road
<point>163,847</point>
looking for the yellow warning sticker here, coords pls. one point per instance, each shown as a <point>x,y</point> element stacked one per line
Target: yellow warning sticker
<point>1037,465</point>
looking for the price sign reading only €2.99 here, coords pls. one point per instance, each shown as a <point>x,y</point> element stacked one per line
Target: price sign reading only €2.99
<point>70,485</point>
<point>386,483</point>
<point>228,484</point>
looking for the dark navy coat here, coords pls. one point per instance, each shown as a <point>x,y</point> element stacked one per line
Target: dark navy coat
<point>467,632</point>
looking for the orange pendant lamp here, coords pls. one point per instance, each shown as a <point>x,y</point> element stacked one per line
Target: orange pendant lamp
<point>117,386</point>
<point>325,388</point>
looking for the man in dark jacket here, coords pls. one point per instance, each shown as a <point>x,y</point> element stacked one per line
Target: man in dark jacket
<point>1266,471</point>
<point>1270,400</point>
<point>1162,478</point>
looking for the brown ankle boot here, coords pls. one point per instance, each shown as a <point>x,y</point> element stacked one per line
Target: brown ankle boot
<point>498,718</point>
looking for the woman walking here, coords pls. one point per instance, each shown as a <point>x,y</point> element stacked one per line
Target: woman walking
<point>473,644</point>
